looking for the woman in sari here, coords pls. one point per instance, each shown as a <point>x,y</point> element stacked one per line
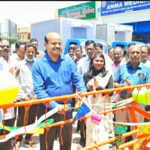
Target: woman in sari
<point>98,78</point>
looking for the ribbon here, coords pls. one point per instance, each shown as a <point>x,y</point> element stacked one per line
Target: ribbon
<point>28,128</point>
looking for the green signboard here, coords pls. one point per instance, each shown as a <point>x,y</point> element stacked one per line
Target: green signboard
<point>82,11</point>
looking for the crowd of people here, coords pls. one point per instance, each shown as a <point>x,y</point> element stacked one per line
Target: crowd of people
<point>50,73</point>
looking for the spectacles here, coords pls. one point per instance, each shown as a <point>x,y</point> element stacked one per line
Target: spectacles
<point>143,52</point>
<point>3,46</point>
<point>90,49</point>
<point>117,54</point>
<point>72,47</point>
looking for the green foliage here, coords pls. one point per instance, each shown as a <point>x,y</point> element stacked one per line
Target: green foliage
<point>12,40</point>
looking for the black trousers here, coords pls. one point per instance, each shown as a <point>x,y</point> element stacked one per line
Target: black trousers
<point>147,108</point>
<point>31,119</point>
<point>9,144</point>
<point>82,128</point>
<point>64,134</point>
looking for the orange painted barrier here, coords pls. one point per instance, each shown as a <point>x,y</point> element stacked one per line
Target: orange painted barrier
<point>66,97</point>
<point>129,107</point>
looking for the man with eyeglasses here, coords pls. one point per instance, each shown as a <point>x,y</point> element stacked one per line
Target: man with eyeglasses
<point>5,50</point>
<point>78,53</point>
<point>35,43</point>
<point>9,117</point>
<point>117,56</point>
<point>71,50</point>
<point>83,67</point>
<point>145,54</point>
<point>84,63</point>
<point>144,59</point>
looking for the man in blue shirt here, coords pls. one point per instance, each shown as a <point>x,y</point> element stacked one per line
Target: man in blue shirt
<point>136,73</point>
<point>134,70</point>
<point>53,75</point>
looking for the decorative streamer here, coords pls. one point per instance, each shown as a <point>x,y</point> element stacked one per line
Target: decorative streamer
<point>29,128</point>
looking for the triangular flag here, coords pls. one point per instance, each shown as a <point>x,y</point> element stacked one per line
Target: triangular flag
<point>82,111</point>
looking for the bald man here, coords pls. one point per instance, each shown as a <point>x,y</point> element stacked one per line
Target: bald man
<point>53,75</point>
<point>136,73</point>
<point>117,57</point>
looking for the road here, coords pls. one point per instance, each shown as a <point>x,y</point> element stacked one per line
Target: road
<point>75,140</point>
<point>56,144</point>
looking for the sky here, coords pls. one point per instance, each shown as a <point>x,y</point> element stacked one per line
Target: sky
<point>25,13</point>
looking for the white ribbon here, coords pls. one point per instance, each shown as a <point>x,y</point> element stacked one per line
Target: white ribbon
<point>28,128</point>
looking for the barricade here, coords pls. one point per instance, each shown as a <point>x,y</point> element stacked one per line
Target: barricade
<point>129,107</point>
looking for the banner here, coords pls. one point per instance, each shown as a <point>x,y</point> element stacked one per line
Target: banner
<point>82,11</point>
<point>115,7</point>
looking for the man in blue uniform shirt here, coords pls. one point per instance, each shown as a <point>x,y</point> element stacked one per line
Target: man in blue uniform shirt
<point>53,75</point>
<point>136,73</point>
<point>134,70</point>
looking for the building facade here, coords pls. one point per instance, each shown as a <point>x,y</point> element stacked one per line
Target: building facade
<point>134,13</point>
<point>24,34</point>
<point>8,29</point>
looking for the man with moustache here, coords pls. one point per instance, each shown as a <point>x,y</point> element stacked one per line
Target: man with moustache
<point>84,62</point>
<point>54,74</point>
<point>117,55</point>
<point>145,55</point>
<point>136,73</point>
<point>9,117</point>
<point>134,70</point>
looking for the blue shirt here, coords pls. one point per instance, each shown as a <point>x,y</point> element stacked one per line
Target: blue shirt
<point>56,78</point>
<point>135,76</point>
<point>139,75</point>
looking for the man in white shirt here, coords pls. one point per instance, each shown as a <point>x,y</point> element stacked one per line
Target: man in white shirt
<point>83,67</point>
<point>144,58</point>
<point>9,117</point>
<point>5,58</point>
<point>35,43</point>
<point>117,57</point>
<point>26,91</point>
<point>145,55</point>
<point>20,52</point>
<point>84,62</point>
<point>17,58</point>
<point>78,53</point>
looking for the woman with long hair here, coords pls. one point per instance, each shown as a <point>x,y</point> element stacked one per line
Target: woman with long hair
<point>98,78</point>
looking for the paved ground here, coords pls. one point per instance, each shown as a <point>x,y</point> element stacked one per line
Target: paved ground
<point>56,144</point>
<point>75,140</point>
